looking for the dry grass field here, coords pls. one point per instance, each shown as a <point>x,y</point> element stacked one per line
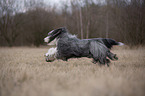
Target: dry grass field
<point>24,72</point>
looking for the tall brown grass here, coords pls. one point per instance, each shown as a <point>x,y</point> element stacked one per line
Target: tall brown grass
<point>24,72</point>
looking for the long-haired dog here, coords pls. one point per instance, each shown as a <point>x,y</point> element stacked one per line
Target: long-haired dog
<point>69,46</point>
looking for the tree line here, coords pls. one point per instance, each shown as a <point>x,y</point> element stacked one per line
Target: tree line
<point>122,20</point>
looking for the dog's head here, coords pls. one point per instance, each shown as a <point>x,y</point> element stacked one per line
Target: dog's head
<point>53,35</point>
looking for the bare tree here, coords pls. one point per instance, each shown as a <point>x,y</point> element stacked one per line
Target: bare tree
<point>8,29</point>
<point>130,21</point>
<point>78,4</point>
<point>88,13</point>
<point>118,19</point>
<point>81,23</point>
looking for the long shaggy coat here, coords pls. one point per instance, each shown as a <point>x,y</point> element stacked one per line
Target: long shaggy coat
<point>69,46</point>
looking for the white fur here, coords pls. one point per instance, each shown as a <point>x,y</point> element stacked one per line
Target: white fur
<point>46,39</point>
<point>72,36</point>
<point>51,52</point>
<point>54,42</point>
<point>121,44</point>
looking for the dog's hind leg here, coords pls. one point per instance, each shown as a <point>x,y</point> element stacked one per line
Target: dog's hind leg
<point>112,56</point>
<point>95,60</point>
<point>107,62</point>
<point>99,52</point>
<point>104,61</point>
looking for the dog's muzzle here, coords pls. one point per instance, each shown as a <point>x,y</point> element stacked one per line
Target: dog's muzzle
<point>46,39</point>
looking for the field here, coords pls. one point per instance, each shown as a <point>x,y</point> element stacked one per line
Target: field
<point>24,72</point>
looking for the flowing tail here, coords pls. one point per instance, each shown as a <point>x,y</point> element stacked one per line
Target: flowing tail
<point>108,42</point>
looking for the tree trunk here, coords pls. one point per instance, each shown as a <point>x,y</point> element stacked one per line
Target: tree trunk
<point>81,23</point>
<point>107,26</point>
<point>87,35</point>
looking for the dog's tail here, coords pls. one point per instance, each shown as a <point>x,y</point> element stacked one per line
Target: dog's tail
<point>108,42</point>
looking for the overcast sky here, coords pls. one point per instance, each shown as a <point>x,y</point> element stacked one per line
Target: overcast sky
<point>57,3</point>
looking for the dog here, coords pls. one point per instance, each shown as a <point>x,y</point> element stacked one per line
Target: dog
<point>69,46</point>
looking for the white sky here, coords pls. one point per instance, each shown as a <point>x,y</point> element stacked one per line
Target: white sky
<point>57,3</point>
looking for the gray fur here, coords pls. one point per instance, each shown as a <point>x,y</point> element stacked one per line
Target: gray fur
<point>69,46</point>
